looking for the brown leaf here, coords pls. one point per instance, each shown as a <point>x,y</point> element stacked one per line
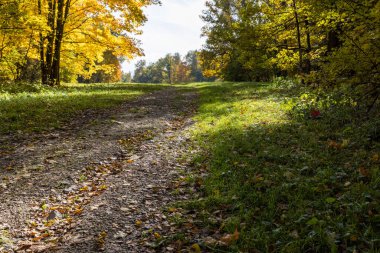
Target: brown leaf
<point>230,238</point>
<point>364,172</point>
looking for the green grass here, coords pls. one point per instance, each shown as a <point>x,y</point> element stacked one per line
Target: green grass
<point>38,109</point>
<point>289,184</point>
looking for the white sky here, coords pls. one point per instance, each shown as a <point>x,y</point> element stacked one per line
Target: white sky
<point>173,27</point>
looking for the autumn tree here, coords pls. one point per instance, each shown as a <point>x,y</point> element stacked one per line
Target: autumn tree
<point>18,29</point>
<point>109,70</point>
<point>173,68</point>
<point>68,35</point>
<point>324,43</point>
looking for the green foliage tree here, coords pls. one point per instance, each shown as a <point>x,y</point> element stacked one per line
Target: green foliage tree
<point>170,69</point>
<point>126,77</point>
<point>329,43</point>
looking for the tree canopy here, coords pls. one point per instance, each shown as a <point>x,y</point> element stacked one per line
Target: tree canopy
<point>67,35</point>
<point>331,43</point>
<point>170,69</point>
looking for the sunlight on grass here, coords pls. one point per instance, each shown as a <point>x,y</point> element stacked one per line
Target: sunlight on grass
<point>50,107</point>
<point>278,179</point>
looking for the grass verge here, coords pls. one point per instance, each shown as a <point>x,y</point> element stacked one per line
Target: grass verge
<point>286,183</point>
<point>38,109</point>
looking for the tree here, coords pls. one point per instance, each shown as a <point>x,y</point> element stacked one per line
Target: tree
<point>18,28</point>
<point>170,69</point>
<point>109,70</point>
<point>326,43</point>
<point>67,34</point>
<point>126,77</point>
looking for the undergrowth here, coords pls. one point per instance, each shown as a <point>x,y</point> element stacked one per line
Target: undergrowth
<point>290,171</point>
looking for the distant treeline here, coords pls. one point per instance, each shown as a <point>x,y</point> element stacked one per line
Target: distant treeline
<point>170,69</point>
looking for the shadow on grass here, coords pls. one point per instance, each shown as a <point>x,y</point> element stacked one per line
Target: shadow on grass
<point>287,185</point>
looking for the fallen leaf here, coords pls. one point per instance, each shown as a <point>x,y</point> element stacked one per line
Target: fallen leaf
<point>157,235</point>
<point>101,240</point>
<point>364,172</point>
<point>78,211</point>
<point>210,241</point>
<point>120,235</point>
<point>230,238</point>
<point>334,145</point>
<point>196,248</point>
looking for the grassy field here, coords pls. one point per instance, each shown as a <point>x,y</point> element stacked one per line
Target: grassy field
<point>289,180</point>
<point>34,109</point>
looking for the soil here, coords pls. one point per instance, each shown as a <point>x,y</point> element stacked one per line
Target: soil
<point>104,182</point>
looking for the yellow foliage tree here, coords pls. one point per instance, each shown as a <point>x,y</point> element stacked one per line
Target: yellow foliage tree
<point>74,34</point>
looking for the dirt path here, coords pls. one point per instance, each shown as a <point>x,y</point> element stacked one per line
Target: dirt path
<point>98,186</point>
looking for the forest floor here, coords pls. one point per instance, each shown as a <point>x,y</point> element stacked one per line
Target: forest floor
<point>102,182</point>
<point>208,167</point>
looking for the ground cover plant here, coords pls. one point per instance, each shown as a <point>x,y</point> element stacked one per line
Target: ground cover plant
<point>34,108</point>
<point>287,172</point>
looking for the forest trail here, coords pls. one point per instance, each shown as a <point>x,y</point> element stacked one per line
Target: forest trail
<point>102,183</point>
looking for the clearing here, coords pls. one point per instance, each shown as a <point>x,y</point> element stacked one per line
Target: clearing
<point>211,167</point>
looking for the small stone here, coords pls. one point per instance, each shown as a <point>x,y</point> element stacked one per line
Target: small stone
<point>54,215</point>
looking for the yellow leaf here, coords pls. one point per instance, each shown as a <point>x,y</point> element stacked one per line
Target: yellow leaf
<point>157,235</point>
<point>78,211</point>
<point>138,223</point>
<point>196,248</point>
<point>84,188</point>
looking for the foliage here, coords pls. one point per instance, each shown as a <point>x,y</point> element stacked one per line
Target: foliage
<point>326,43</point>
<point>170,69</point>
<point>126,77</point>
<point>287,178</point>
<point>67,35</point>
<point>110,71</point>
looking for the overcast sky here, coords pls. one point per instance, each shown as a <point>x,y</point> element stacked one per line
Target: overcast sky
<point>174,26</point>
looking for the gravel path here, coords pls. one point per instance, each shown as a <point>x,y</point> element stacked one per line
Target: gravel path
<point>102,184</point>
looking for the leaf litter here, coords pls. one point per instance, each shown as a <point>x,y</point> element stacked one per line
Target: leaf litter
<point>117,201</point>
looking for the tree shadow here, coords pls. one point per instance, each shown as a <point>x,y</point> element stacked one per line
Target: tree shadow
<point>277,176</point>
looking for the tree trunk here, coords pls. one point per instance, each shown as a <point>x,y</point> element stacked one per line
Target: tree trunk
<point>298,36</point>
<point>308,48</point>
<point>332,41</point>
<point>54,72</point>
<point>51,57</point>
<point>50,37</point>
<point>44,73</point>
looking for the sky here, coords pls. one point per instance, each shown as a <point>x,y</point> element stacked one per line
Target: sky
<point>175,26</point>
